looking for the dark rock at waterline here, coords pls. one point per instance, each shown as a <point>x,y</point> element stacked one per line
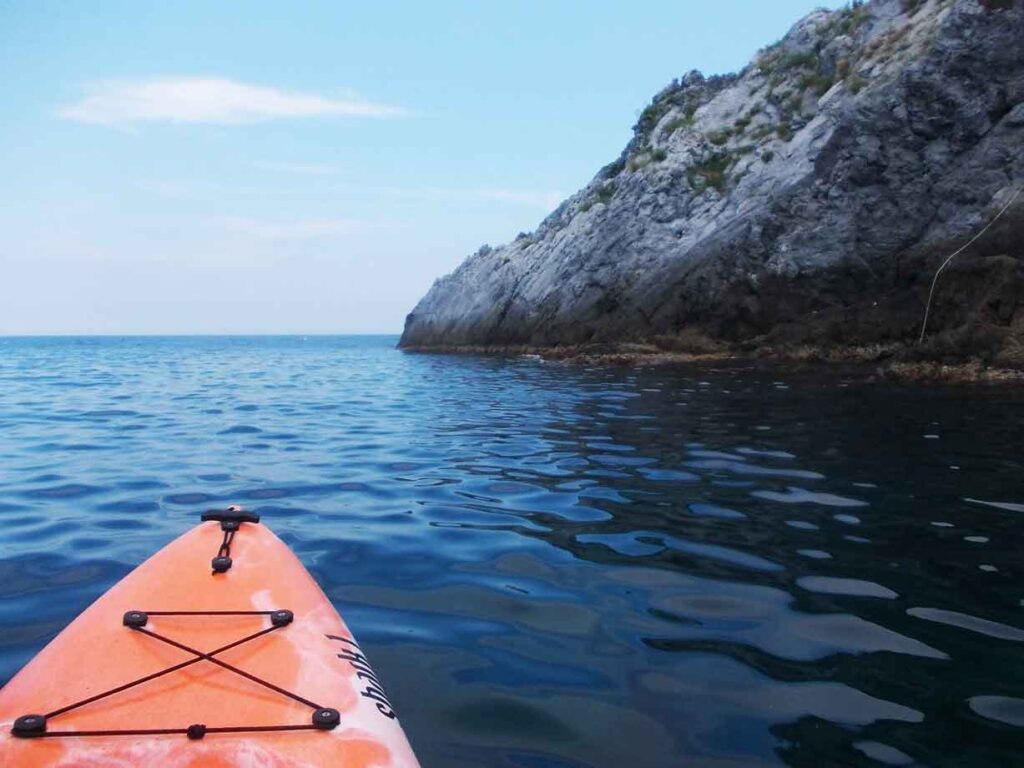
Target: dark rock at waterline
<point>806,200</point>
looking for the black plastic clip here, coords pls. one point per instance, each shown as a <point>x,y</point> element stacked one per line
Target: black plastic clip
<point>281,618</point>
<point>326,719</point>
<point>196,731</point>
<point>234,514</point>
<point>29,726</point>
<point>135,619</point>
<point>221,564</point>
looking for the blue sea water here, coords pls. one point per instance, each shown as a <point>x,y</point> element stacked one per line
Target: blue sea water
<point>559,565</point>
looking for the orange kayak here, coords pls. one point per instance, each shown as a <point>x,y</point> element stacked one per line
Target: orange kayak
<point>220,650</point>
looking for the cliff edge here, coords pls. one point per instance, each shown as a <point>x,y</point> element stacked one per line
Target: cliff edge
<point>805,200</point>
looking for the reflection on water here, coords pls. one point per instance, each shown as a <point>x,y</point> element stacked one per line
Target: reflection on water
<point>554,565</point>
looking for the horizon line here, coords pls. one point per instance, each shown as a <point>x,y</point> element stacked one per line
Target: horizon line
<point>76,334</point>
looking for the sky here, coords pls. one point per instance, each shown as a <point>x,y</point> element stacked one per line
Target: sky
<point>310,167</point>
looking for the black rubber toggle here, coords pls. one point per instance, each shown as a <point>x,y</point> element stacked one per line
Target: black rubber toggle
<point>29,726</point>
<point>221,564</point>
<point>281,618</point>
<point>135,619</point>
<point>229,525</point>
<point>196,731</point>
<point>231,513</point>
<point>326,719</point>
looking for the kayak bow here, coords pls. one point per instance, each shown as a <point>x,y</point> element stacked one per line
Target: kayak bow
<point>219,650</point>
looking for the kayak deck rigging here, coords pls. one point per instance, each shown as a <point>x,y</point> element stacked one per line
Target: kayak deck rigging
<point>285,685</point>
<point>323,718</point>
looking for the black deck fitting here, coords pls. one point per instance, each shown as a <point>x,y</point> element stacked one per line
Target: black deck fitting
<point>196,731</point>
<point>281,618</point>
<point>231,513</point>
<point>326,719</point>
<point>29,726</point>
<point>221,564</point>
<point>135,619</point>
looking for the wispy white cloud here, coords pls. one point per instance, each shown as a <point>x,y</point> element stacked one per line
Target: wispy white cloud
<point>208,100</point>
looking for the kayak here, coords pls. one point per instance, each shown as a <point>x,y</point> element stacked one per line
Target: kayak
<point>219,650</point>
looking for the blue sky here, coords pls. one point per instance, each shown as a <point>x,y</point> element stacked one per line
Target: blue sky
<point>258,167</point>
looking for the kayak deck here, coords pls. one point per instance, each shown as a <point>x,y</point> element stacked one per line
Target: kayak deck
<point>180,665</point>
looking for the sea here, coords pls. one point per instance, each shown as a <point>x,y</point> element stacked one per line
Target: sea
<point>554,565</point>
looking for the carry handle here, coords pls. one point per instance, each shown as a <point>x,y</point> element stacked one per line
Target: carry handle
<point>231,514</point>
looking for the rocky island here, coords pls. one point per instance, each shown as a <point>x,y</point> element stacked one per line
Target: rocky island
<point>804,203</point>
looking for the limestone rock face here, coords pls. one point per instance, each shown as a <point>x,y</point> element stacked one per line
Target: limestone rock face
<point>807,198</point>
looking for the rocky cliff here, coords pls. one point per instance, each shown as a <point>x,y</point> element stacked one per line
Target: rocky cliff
<point>806,200</point>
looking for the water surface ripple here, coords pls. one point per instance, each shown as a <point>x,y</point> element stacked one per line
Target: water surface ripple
<point>555,565</point>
